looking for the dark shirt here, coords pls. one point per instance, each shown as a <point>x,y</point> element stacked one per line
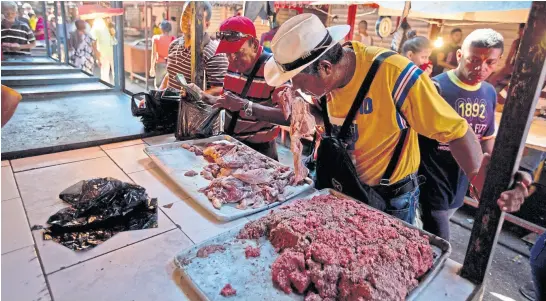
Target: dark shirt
<point>19,33</point>
<point>450,57</point>
<point>446,183</point>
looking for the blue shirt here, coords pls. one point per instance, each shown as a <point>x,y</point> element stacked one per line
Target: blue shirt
<point>446,183</point>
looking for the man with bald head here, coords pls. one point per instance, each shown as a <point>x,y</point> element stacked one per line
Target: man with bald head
<point>466,91</point>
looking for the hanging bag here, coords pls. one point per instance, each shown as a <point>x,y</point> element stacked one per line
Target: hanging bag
<point>335,168</point>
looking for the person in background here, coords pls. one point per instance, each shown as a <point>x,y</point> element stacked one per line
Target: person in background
<point>174,26</point>
<point>258,109</point>
<point>17,37</point>
<point>418,50</point>
<point>104,48</point>
<point>160,51</point>
<point>80,48</point>
<point>179,57</point>
<point>32,20</point>
<point>363,36</point>
<point>266,38</point>
<point>536,289</point>
<point>155,29</point>
<point>446,58</point>
<point>474,99</point>
<point>24,13</point>
<point>501,78</point>
<point>39,30</point>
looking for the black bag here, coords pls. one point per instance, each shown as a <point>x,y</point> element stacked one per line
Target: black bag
<point>160,109</point>
<point>335,168</point>
<point>197,119</point>
<point>235,115</point>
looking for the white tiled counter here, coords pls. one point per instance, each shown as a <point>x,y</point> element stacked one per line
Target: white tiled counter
<point>132,265</point>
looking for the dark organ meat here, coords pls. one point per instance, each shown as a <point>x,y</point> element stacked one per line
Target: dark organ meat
<point>336,249</point>
<point>239,175</point>
<point>302,123</point>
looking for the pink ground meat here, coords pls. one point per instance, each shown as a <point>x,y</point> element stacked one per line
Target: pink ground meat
<point>336,249</point>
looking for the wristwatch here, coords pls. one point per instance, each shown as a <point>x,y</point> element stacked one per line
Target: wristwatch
<point>248,108</point>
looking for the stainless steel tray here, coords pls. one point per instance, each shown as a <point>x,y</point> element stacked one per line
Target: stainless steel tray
<point>252,277</point>
<point>175,161</point>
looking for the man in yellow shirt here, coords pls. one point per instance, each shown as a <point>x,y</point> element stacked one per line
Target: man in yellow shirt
<point>400,100</point>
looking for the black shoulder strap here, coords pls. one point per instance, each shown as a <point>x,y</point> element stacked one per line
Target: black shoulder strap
<point>362,92</point>
<point>235,115</point>
<point>324,111</point>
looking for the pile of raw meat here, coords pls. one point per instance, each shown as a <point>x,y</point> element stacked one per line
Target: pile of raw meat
<point>302,123</point>
<point>336,249</point>
<point>239,175</point>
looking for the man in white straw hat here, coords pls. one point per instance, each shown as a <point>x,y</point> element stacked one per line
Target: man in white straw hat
<point>388,113</point>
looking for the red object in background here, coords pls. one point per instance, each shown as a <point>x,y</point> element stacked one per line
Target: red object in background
<point>425,66</point>
<point>92,11</point>
<point>351,18</point>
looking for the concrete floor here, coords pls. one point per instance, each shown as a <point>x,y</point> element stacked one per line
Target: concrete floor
<point>61,121</point>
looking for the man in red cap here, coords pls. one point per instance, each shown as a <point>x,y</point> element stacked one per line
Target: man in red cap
<point>252,114</point>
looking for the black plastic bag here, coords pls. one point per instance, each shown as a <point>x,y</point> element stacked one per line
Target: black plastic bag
<point>197,119</point>
<point>100,208</point>
<point>158,110</point>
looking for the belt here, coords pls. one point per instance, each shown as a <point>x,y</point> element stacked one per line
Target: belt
<point>399,188</point>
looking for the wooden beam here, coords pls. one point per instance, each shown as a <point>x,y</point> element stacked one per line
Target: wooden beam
<point>525,86</point>
<point>197,31</point>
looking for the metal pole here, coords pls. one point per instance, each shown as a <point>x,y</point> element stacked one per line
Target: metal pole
<point>146,55</point>
<point>65,30</point>
<point>46,30</point>
<point>56,11</point>
<point>525,87</point>
<point>119,55</point>
<point>198,10</point>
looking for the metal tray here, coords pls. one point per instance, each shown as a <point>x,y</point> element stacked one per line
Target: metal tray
<point>252,277</point>
<point>175,161</point>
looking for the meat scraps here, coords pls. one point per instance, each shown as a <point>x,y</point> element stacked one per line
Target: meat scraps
<point>190,173</point>
<point>192,148</point>
<point>228,291</point>
<point>239,175</point>
<point>251,251</point>
<point>333,248</point>
<point>204,252</point>
<point>302,123</point>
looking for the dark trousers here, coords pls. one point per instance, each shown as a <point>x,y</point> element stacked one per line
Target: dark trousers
<point>437,221</point>
<point>267,148</point>
<point>538,267</point>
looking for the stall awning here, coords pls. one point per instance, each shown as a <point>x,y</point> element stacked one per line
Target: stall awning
<point>479,11</point>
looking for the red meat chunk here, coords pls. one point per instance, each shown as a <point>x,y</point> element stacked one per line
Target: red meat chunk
<point>228,291</point>
<point>204,252</point>
<point>336,249</point>
<point>190,173</point>
<point>252,252</point>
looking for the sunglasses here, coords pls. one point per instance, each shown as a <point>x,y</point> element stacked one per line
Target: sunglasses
<point>231,36</point>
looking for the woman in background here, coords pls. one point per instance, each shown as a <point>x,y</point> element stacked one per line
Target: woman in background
<point>160,51</point>
<point>80,47</point>
<point>418,50</point>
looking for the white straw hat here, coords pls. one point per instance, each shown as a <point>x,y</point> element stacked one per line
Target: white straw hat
<point>299,42</point>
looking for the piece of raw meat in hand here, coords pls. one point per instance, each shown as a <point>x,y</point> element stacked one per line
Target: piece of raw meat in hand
<point>302,123</point>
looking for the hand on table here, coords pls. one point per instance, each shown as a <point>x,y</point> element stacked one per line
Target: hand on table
<point>230,102</point>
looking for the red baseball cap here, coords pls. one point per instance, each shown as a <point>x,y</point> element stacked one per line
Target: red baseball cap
<point>240,24</point>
